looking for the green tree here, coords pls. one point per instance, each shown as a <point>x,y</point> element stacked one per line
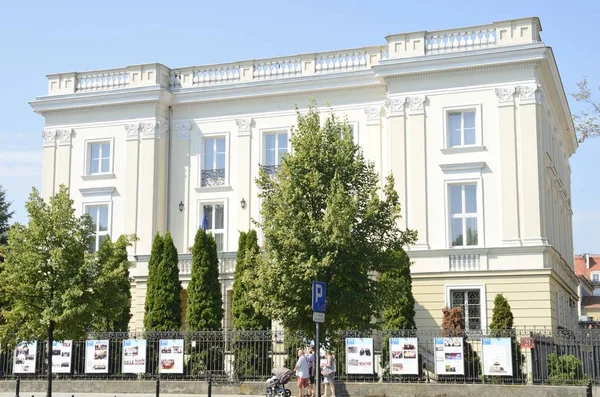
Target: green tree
<point>587,122</point>
<point>324,217</point>
<point>5,216</point>
<point>502,317</point>
<point>205,302</point>
<point>48,274</point>
<point>251,356</point>
<point>113,311</point>
<point>502,327</point>
<point>163,297</point>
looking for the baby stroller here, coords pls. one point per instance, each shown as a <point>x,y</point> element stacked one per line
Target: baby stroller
<point>277,382</point>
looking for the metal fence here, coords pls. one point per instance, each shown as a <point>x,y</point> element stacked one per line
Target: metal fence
<point>557,357</point>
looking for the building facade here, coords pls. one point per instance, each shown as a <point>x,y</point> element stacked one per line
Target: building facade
<point>473,123</point>
<point>587,268</point>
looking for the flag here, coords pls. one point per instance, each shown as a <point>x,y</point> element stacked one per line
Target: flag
<point>204,223</point>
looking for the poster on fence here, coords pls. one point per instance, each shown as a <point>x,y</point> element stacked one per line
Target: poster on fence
<point>449,358</point>
<point>25,354</point>
<point>497,356</point>
<point>134,356</point>
<point>359,355</point>
<point>404,356</point>
<point>171,356</point>
<point>96,357</point>
<point>61,356</point>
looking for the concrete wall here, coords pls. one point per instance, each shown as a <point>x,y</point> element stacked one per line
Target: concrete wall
<point>257,388</point>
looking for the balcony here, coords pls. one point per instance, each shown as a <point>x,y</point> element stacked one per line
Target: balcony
<point>271,169</point>
<point>464,262</point>
<point>211,178</point>
<point>226,264</point>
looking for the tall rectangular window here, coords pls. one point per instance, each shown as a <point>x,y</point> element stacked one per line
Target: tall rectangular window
<point>461,130</point>
<point>98,158</point>
<point>276,147</point>
<point>463,215</point>
<point>100,224</point>
<point>213,165</point>
<point>470,302</point>
<point>213,221</point>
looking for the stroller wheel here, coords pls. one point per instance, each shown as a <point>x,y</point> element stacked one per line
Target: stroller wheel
<point>288,393</point>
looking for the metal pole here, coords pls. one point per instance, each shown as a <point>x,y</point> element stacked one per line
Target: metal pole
<point>209,386</point>
<point>158,387</point>
<point>318,360</point>
<point>18,386</point>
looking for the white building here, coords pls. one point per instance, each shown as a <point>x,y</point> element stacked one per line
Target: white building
<point>473,123</point>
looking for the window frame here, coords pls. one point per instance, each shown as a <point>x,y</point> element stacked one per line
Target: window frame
<point>88,157</point>
<point>97,233</point>
<point>263,132</point>
<point>354,126</point>
<point>200,211</point>
<point>201,139</point>
<point>449,288</point>
<point>463,215</point>
<point>478,145</point>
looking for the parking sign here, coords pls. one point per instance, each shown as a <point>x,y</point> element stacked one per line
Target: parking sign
<point>318,297</point>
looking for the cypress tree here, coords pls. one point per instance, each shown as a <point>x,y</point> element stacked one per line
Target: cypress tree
<point>205,302</point>
<point>151,290</point>
<point>164,301</point>
<point>502,317</point>
<point>502,327</point>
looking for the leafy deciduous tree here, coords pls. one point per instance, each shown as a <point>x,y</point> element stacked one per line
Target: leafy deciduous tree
<point>5,216</point>
<point>587,122</point>
<point>324,217</point>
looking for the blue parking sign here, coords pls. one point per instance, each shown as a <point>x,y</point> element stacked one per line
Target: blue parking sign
<point>318,297</point>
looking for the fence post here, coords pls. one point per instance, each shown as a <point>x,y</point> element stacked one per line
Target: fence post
<point>18,386</point>
<point>588,390</point>
<point>158,387</point>
<point>209,393</point>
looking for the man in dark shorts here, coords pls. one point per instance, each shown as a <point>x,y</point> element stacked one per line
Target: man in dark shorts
<point>311,362</point>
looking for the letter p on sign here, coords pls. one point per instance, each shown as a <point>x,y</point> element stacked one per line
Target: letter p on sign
<point>318,297</point>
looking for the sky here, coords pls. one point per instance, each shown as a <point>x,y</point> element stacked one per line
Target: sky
<point>43,37</point>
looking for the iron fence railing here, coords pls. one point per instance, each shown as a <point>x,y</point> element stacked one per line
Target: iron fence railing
<point>412,356</point>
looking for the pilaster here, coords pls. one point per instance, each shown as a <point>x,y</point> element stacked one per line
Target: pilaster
<point>132,175</point>
<point>417,170</point>
<point>509,189</point>
<point>63,164</point>
<point>396,148</point>
<point>48,163</point>
<point>374,138</point>
<point>180,185</point>
<point>244,172</point>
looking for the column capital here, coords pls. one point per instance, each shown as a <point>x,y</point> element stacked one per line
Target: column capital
<point>64,136</point>
<point>244,126</point>
<point>49,137</point>
<point>154,129</point>
<point>395,106</point>
<point>133,131</point>
<point>529,94</point>
<point>183,129</point>
<point>416,104</point>
<point>373,115</point>
<point>506,96</point>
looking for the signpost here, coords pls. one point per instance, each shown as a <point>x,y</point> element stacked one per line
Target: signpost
<point>318,306</point>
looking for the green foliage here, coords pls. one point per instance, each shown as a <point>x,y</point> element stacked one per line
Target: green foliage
<point>163,297</point>
<point>396,290</point>
<point>47,273</point>
<point>205,302</point>
<point>324,217</point>
<point>587,122</point>
<point>113,311</point>
<point>5,216</point>
<point>566,370</point>
<point>502,317</point>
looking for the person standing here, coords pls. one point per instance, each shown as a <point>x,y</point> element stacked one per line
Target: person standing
<point>328,372</point>
<point>302,372</point>
<point>311,362</point>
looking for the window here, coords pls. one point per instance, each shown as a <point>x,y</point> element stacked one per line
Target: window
<point>213,166</point>
<point>595,277</point>
<point>99,158</point>
<point>463,215</point>
<point>461,128</point>
<point>99,214</point>
<point>276,147</point>
<point>213,221</point>
<point>470,302</point>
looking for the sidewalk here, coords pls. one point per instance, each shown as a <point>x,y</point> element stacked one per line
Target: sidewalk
<point>43,394</point>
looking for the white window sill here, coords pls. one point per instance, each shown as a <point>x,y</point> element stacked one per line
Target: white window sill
<point>464,149</point>
<point>220,188</point>
<point>95,177</point>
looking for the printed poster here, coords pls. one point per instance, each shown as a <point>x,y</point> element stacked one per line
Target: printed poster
<point>449,358</point>
<point>404,357</point>
<point>359,355</point>
<point>96,357</point>
<point>61,356</point>
<point>25,354</point>
<point>497,356</point>
<point>171,356</point>
<point>134,356</point>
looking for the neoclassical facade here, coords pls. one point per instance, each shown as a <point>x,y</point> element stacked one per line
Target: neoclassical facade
<point>472,122</point>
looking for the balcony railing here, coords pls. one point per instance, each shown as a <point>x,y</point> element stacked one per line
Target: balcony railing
<point>271,169</point>
<point>211,178</point>
<point>226,264</point>
<point>464,262</point>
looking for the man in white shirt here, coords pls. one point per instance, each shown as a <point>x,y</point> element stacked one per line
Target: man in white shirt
<point>302,371</point>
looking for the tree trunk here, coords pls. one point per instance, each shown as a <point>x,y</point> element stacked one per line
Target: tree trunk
<point>50,341</point>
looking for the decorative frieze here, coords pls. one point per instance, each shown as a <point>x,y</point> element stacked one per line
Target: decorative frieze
<point>373,115</point>
<point>133,131</point>
<point>49,137</point>
<point>416,104</point>
<point>244,126</point>
<point>183,130</point>
<point>64,136</point>
<point>154,129</point>
<point>395,106</point>
<point>529,94</point>
<point>506,96</point>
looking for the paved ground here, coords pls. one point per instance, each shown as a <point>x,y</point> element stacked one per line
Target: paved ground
<point>43,394</point>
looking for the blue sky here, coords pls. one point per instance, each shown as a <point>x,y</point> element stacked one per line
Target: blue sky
<point>61,36</point>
